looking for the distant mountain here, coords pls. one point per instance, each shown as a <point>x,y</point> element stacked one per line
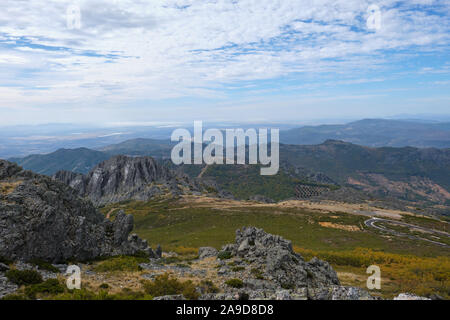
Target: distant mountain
<point>79,160</point>
<point>374,133</point>
<point>82,160</point>
<point>419,176</point>
<point>337,170</point>
<point>141,147</point>
<point>406,173</point>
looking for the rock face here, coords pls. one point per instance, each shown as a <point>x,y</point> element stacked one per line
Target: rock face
<point>270,269</point>
<point>41,218</point>
<point>123,178</point>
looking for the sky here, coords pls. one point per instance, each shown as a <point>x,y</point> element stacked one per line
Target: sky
<point>141,61</point>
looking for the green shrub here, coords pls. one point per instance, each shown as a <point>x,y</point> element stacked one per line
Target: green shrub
<point>50,286</point>
<point>43,265</point>
<point>257,273</point>
<point>24,277</point>
<point>224,255</point>
<point>236,269</point>
<point>208,286</point>
<point>164,285</point>
<point>14,297</point>
<point>120,263</point>
<point>235,283</point>
<point>104,286</point>
<point>287,286</point>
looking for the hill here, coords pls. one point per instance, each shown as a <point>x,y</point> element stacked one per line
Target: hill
<point>79,160</point>
<point>374,133</point>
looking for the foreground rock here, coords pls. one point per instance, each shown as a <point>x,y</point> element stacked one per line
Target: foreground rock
<point>44,219</point>
<point>269,269</point>
<point>409,296</point>
<point>278,262</point>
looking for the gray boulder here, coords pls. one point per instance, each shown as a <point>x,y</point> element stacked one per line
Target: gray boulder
<point>41,218</point>
<point>278,262</point>
<point>339,293</point>
<point>409,296</point>
<point>206,252</point>
<point>6,287</point>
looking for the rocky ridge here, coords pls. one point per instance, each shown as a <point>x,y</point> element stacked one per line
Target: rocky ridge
<point>270,269</point>
<point>41,218</point>
<point>123,178</point>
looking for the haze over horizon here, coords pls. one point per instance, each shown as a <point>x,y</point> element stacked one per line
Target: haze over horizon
<point>223,60</point>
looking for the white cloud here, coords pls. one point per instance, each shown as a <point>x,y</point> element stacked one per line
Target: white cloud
<point>130,50</point>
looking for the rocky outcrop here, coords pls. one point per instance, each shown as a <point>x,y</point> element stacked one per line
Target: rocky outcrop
<point>41,218</point>
<point>270,270</point>
<point>278,262</point>
<point>6,287</point>
<point>124,178</point>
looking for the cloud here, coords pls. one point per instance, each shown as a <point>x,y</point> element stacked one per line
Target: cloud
<point>166,49</point>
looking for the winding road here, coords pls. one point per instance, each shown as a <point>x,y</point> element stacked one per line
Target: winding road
<point>371,223</point>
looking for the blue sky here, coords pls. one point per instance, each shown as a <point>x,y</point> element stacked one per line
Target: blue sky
<point>221,60</point>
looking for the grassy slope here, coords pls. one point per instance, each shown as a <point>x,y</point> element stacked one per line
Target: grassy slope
<point>407,265</point>
<point>172,224</point>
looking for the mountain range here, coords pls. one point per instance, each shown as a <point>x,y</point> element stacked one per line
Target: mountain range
<point>374,133</point>
<point>334,170</point>
<point>21,141</point>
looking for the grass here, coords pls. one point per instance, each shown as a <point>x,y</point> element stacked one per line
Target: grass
<point>172,224</point>
<point>120,263</point>
<point>48,287</point>
<point>164,285</point>
<point>43,265</point>
<point>400,273</point>
<point>407,265</point>
<point>234,283</point>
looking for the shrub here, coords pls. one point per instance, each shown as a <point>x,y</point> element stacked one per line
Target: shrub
<point>224,255</point>
<point>235,283</point>
<point>24,277</point>
<point>104,286</point>
<point>236,269</point>
<point>164,285</point>
<point>14,297</point>
<point>257,273</point>
<point>50,286</point>
<point>120,263</point>
<point>43,265</point>
<point>287,286</point>
<point>208,286</point>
